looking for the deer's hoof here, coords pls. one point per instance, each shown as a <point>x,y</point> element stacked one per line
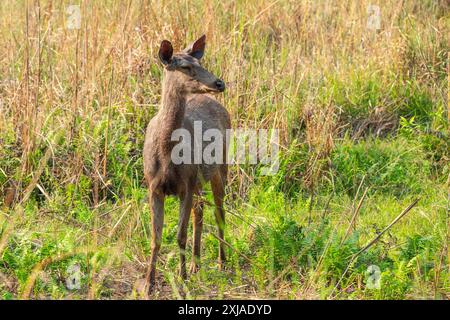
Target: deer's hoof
<point>183,274</point>
<point>143,289</point>
<point>222,265</point>
<point>195,267</point>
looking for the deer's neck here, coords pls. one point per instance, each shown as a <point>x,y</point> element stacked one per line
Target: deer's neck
<point>171,115</point>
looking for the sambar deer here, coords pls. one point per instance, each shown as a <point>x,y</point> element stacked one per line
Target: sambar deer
<point>184,100</point>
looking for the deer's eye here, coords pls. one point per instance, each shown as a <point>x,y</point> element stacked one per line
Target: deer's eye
<point>186,68</point>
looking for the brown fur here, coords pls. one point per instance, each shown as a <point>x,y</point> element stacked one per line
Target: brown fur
<point>183,102</point>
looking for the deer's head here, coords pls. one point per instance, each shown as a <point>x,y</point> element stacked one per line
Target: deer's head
<point>184,70</point>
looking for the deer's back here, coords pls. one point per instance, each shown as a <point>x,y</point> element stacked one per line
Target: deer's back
<point>212,115</point>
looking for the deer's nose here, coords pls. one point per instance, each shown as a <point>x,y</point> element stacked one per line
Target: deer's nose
<point>220,85</point>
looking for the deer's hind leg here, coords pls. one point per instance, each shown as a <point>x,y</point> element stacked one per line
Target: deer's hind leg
<point>183,222</point>
<point>197,213</point>
<point>218,182</point>
<point>157,213</point>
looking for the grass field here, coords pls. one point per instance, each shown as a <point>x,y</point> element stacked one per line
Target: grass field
<point>363,119</point>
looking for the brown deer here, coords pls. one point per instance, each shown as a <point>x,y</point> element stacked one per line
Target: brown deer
<point>184,100</point>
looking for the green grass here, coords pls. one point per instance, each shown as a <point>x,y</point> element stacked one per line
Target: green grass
<point>286,248</point>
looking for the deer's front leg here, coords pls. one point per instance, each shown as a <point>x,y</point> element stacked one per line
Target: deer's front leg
<point>157,208</point>
<point>198,226</point>
<point>185,210</point>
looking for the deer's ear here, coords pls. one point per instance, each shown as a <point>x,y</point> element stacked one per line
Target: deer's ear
<point>197,48</point>
<point>165,52</point>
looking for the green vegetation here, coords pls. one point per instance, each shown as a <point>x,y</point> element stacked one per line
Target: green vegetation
<point>363,124</point>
